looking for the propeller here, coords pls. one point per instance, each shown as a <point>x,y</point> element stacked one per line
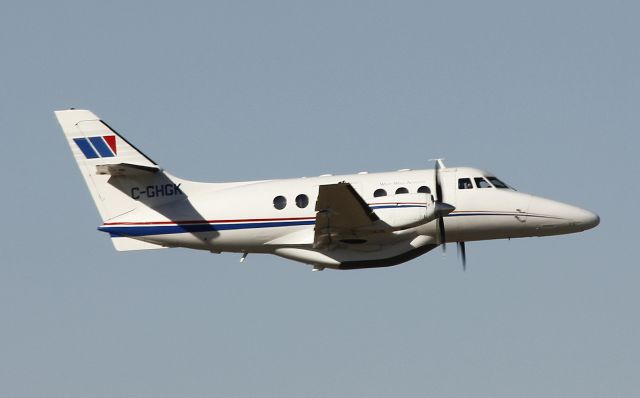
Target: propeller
<point>440,203</point>
<point>443,209</point>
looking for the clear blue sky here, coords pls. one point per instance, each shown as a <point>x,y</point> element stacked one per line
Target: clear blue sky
<point>544,94</point>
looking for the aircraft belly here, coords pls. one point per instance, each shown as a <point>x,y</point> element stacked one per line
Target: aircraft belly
<point>224,240</point>
<point>345,257</point>
<point>257,236</point>
<point>187,240</point>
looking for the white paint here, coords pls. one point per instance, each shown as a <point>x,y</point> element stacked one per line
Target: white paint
<point>143,209</point>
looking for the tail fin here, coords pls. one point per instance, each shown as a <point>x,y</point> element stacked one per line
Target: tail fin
<point>115,171</point>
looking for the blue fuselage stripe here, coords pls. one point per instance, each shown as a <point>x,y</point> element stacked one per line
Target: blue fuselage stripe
<point>374,207</point>
<point>143,230</point>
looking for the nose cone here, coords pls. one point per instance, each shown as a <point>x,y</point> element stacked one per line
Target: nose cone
<point>551,217</point>
<point>587,220</point>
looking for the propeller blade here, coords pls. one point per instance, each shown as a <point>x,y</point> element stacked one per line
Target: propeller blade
<point>438,184</point>
<point>463,254</point>
<point>441,206</point>
<point>443,239</point>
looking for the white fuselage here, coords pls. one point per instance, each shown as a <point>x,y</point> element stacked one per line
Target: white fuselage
<point>242,217</point>
<point>349,221</point>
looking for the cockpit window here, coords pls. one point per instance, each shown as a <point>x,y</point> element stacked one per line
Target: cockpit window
<point>497,183</point>
<point>464,183</point>
<point>481,183</point>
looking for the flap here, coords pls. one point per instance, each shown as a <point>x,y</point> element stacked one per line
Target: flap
<point>340,211</point>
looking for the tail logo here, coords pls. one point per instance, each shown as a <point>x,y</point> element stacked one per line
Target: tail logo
<point>97,147</point>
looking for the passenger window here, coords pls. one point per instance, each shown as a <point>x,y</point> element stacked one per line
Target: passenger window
<point>302,201</point>
<point>482,183</point>
<point>401,190</point>
<point>279,202</point>
<point>464,183</point>
<point>497,183</point>
<point>379,192</point>
<point>424,189</point>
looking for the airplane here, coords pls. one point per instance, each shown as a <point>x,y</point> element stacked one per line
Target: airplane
<point>355,221</point>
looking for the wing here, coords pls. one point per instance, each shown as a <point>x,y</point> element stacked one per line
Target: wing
<point>340,212</point>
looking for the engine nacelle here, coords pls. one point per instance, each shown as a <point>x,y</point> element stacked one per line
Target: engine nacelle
<point>402,211</point>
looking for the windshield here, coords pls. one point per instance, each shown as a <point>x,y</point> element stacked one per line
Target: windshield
<point>497,183</point>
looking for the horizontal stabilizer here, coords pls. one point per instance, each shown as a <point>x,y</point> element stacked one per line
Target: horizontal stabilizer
<point>125,169</point>
<point>123,244</point>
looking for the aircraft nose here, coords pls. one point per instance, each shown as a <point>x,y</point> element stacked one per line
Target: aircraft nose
<point>587,219</point>
<point>578,218</point>
<point>561,217</point>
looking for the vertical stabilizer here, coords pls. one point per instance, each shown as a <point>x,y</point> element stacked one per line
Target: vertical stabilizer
<point>119,176</point>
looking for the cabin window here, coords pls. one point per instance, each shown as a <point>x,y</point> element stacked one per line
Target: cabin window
<point>401,190</point>
<point>464,183</point>
<point>279,202</point>
<point>302,201</point>
<point>379,192</point>
<point>424,189</point>
<point>497,183</point>
<point>481,183</point>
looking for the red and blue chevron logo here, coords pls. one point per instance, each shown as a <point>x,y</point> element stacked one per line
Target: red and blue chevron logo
<point>97,147</point>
